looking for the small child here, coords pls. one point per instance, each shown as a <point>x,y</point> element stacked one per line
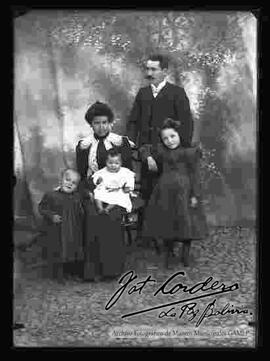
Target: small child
<point>114,184</point>
<point>63,217</point>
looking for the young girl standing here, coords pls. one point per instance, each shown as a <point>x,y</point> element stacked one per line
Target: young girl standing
<point>63,217</point>
<point>175,212</point>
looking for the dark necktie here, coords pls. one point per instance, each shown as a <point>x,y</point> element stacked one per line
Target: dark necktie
<point>101,152</point>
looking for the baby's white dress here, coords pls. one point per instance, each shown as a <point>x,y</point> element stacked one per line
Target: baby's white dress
<point>110,190</point>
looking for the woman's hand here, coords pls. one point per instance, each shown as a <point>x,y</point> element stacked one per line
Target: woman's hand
<point>194,202</point>
<point>152,165</point>
<point>56,218</point>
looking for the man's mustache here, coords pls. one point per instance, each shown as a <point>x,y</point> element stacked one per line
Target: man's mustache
<point>149,77</point>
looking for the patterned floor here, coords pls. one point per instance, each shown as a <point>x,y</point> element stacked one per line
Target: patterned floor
<point>74,314</point>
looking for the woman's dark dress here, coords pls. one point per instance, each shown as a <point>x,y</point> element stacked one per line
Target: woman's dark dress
<point>64,241</point>
<point>169,214</point>
<point>104,248</point>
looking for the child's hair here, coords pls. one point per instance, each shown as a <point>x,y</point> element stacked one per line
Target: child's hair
<point>113,152</point>
<point>170,123</point>
<point>72,170</point>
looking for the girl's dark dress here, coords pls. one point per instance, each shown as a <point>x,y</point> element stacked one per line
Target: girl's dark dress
<point>64,241</point>
<point>104,248</point>
<point>169,214</point>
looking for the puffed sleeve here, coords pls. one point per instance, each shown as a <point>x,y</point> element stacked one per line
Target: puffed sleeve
<point>193,156</point>
<point>45,206</point>
<point>82,153</point>
<point>82,160</point>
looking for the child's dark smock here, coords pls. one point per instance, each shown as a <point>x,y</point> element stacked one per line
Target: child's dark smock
<point>64,240</point>
<point>169,213</point>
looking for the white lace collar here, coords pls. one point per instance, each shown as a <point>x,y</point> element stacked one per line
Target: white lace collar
<point>91,142</point>
<point>111,138</point>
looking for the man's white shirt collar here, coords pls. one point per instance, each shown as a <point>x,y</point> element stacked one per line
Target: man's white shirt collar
<point>157,89</point>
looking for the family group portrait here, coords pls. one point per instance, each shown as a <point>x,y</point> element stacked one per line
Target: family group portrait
<point>134,178</point>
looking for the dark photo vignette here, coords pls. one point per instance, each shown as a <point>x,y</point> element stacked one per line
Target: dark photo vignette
<point>34,184</point>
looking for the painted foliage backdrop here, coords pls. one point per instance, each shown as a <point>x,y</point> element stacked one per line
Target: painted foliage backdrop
<point>66,60</point>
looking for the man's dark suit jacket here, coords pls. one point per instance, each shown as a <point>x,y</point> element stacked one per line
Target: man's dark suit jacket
<point>148,114</point>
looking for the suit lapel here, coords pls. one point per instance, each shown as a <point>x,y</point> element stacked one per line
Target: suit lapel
<point>163,90</point>
<point>149,93</point>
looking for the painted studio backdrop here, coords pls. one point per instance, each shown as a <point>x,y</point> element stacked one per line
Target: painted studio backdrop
<point>66,60</point>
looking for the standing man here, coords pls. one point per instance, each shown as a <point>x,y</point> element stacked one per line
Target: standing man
<point>153,103</point>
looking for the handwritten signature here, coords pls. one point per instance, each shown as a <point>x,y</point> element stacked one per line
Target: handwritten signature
<point>190,309</point>
<point>172,286</point>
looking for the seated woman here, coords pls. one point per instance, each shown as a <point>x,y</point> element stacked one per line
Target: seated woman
<point>104,234</point>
